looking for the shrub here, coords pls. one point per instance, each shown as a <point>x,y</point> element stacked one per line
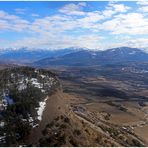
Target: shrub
<point>136,143</point>
<point>50,124</point>
<point>77,132</point>
<point>66,119</point>
<point>45,132</point>
<point>62,126</point>
<point>73,142</point>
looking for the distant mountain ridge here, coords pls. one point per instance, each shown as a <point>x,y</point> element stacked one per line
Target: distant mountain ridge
<point>88,58</point>
<point>71,56</point>
<point>26,55</point>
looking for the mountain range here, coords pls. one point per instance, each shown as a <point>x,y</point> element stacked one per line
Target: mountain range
<point>72,56</point>
<point>89,58</point>
<point>26,55</point>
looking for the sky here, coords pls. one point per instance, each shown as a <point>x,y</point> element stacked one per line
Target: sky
<point>96,25</point>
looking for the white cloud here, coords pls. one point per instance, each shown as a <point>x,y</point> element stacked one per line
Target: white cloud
<point>142,2</point>
<point>131,23</point>
<point>73,9</point>
<point>58,41</point>
<point>144,9</point>
<point>108,13</point>
<point>118,7</point>
<point>35,15</point>
<point>143,6</point>
<point>20,11</point>
<point>129,42</point>
<point>12,22</point>
<point>138,43</point>
<point>114,8</point>
<point>6,16</point>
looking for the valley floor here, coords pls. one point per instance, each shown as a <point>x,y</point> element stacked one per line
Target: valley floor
<point>95,123</point>
<point>118,99</point>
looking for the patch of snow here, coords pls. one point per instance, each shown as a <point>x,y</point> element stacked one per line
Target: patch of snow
<point>12,75</point>
<point>139,71</point>
<point>2,124</point>
<point>42,90</point>
<point>144,71</point>
<point>51,79</point>
<point>133,52</point>
<point>36,125</point>
<point>22,145</point>
<point>30,119</point>
<point>93,54</point>
<point>24,119</point>
<point>43,76</point>
<point>2,138</point>
<point>26,80</point>
<point>35,82</point>
<point>113,50</point>
<point>22,86</point>
<point>36,71</point>
<point>41,108</point>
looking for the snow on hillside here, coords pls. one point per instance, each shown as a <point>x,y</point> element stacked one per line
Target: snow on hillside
<point>43,81</point>
<point>41,108</point>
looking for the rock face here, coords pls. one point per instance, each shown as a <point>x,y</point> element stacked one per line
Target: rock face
<point>23,96</point>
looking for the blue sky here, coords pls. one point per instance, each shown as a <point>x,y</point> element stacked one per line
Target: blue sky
<point>56,25</point>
